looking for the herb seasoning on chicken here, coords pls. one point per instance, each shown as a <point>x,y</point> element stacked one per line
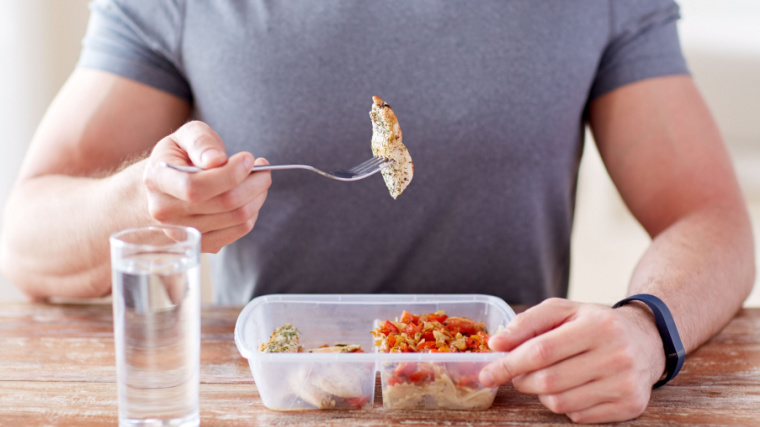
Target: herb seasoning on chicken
<point>386,143</point>
<point>332,385</point>
<point>284,339</point>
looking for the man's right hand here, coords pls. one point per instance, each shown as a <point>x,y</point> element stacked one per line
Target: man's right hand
<point>222,202</point>
<point>78,166</point>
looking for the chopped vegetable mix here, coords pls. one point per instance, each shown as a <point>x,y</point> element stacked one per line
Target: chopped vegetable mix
<point>431,333</point>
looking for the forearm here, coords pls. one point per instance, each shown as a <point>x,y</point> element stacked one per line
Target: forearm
<point>702,266</point>
<point>56,228</point>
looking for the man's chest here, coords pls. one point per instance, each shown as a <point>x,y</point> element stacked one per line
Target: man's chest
<point>291,78</point>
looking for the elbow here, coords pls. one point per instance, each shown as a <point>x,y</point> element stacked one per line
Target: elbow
<point>6,262</point>
<point>751,269</point>
<point>38,284</point>
<point>11,263</point>
<point>746,258</point>
<point>9,268</point>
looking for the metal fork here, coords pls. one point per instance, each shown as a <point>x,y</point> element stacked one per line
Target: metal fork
<point>360,171</point>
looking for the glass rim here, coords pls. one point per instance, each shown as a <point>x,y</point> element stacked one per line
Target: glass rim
<point>193,236</point>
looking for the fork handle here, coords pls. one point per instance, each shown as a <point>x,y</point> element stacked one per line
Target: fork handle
<point>194,169</point>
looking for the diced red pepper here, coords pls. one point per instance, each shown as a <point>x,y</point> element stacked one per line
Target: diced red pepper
<point>412,329</point>
<point>416,377</point>
<point>432,317</point>
<point>423,372</point>
<point>429,345</point>
<point>390,327</point>
<point>473,342</point>
<point>391,341</point>
<point>458,324</point>
<point>468,380</point>
<point>405,368</point>
<point>357,402</point>
<point>407,317</point>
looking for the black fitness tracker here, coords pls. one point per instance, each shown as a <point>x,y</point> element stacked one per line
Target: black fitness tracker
<point>671,341</point>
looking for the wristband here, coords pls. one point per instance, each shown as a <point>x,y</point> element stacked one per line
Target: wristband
<point>666,326</point>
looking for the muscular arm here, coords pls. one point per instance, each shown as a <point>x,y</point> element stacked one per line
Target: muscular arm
<point>664,153</point>
<point>67,199</point>
<point>667,159</point>
<point>88,174</point>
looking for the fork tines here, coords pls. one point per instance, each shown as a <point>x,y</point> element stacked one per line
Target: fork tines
<point>367,166</point>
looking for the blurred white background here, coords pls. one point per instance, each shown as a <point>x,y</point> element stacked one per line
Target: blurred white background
<point>40,41</point>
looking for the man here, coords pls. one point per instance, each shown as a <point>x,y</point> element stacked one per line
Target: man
<point>492,100</point>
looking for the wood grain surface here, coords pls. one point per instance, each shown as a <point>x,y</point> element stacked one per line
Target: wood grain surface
<point>57,367</point>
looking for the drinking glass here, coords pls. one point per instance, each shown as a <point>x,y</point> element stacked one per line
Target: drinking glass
<point>156,307</point>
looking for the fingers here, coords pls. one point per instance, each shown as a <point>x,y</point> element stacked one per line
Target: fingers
<point>221,201</point>
<point>605,400</point>
<point>233,203</point>
<point>608,413</point>
<point>252,187</point>
<point>587,361</point>
<point>202,144</point>
<point>240,215</point>
<point>533,322</point>
<point>563,376</point>
<point>544,351</point>
<point>577,399</point>
<point>214,241</point>
<point>201,186</point>
<point>551,366</point>
<point>537,353</point>
<point>237,205</point>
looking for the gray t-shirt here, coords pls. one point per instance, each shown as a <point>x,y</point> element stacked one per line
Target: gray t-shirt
<point>491,97</point>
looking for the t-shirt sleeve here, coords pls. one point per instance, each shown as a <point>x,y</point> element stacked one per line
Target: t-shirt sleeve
<point>138,39</point>
<point>643,44</point>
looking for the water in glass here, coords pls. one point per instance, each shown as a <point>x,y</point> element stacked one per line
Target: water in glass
<point>157,330</point>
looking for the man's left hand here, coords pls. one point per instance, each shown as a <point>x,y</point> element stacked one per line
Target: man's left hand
<point>587,361</point>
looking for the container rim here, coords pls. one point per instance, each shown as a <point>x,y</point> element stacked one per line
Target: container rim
<point>359,299</point>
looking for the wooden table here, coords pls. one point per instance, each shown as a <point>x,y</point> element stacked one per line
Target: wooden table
<point>57,367</point>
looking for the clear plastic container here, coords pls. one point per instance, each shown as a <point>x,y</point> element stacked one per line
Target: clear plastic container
<point>295,381</point>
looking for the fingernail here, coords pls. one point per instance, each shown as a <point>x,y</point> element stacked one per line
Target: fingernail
<point>248,162</point>
<point>497,340</point>
<point>493,341</point>
<point>208,156</point>
<point>486,378</point>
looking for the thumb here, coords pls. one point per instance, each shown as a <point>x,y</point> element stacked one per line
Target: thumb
<point>203,146</point>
